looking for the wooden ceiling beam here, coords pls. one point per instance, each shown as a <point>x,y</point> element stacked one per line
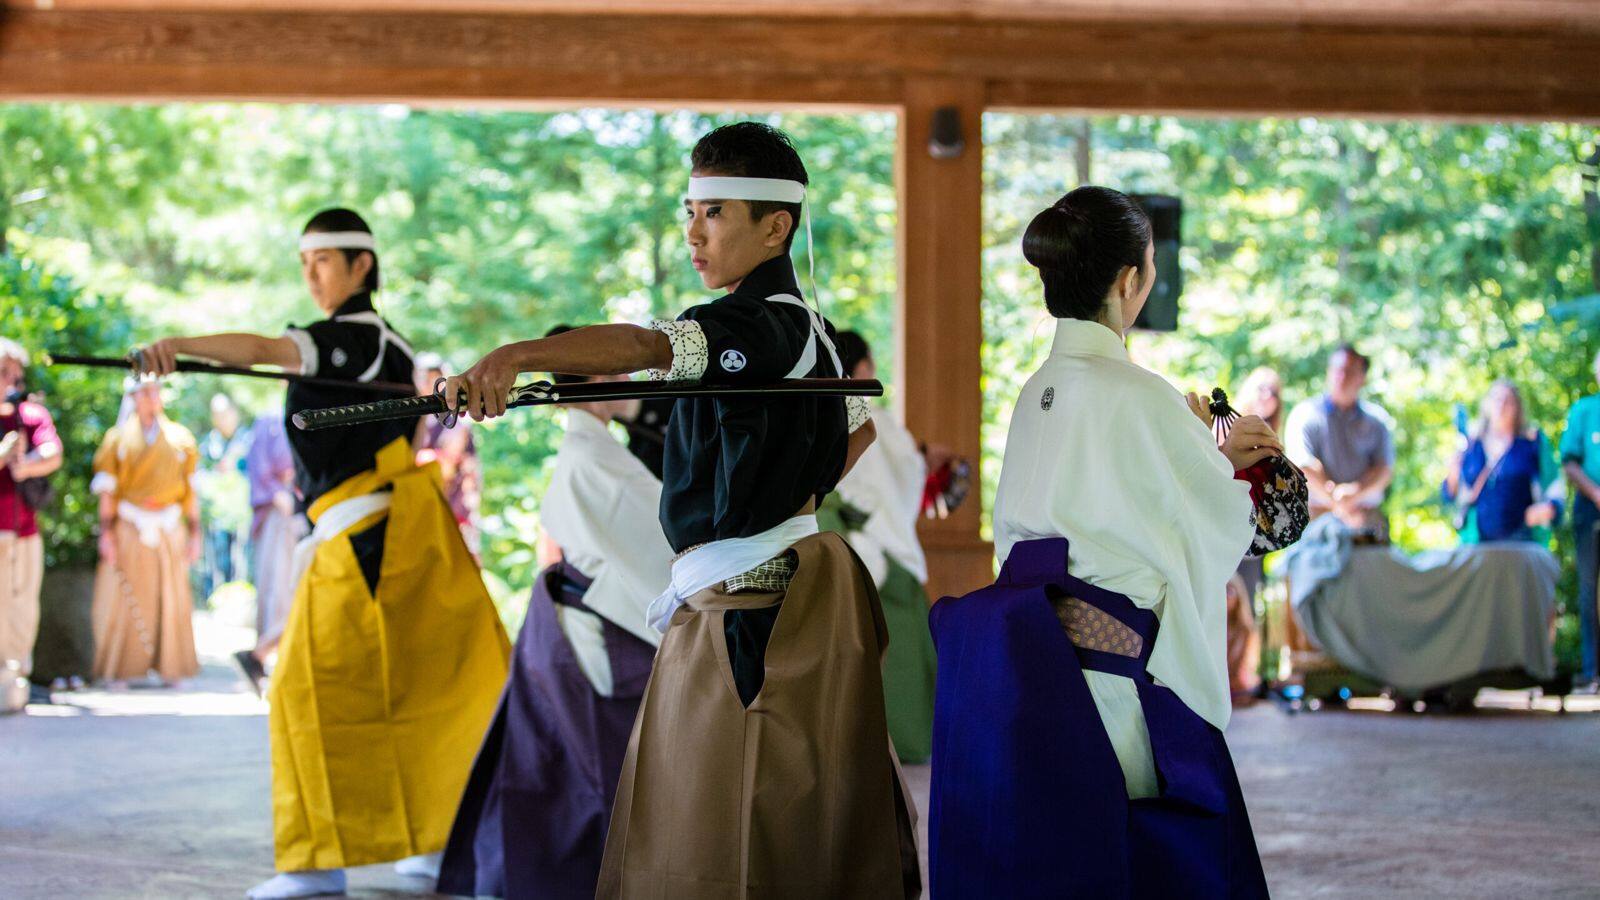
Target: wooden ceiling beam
<point>711,62</point>
<point>1555,15</point>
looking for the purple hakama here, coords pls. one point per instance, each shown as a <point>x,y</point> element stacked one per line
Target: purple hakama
<point>533,818</point>
<point>1028,798</point>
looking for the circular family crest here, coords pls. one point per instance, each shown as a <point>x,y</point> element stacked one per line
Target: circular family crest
<point>1048,399</point>
<point>732,360</point>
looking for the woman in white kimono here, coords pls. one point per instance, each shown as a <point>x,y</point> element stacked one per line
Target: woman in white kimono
<point>1077,737</point>
<point>876,507</point>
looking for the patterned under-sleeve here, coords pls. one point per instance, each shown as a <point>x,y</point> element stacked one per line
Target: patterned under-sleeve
<point>857,411</point>
<point>689,354</point>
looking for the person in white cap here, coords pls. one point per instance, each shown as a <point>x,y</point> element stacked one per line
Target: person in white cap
<point>392,657</point>
<point>29,449</point>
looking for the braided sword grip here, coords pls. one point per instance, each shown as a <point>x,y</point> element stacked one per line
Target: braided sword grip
<point>376,411</point>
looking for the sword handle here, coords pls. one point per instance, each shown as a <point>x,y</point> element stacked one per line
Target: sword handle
<point>376,411</point>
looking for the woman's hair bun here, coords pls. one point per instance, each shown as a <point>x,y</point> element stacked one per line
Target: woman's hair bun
<point>1079,245</point>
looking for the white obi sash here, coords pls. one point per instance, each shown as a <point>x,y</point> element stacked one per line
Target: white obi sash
<point>151,523</point>
<point>716,562</point>
<point>334,521</point>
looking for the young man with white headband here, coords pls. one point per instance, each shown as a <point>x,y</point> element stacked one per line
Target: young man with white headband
<point>760,764</point>
<point>392,657</point>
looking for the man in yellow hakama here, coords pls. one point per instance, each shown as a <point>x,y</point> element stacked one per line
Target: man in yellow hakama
<point>376,711</point>
<point>149,537</point>
<point>392,658</point>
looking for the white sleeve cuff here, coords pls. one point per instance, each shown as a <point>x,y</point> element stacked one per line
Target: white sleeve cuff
<point>689,353</point>
<point>103,483</point>
<point>857,411</point>
<point>306,346</point>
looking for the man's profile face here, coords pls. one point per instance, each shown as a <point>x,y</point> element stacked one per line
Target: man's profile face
<point>725,243</point>
<point>331,278</point>
<point>1346,377</point>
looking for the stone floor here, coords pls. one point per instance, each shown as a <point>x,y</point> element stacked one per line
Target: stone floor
<point>163,794</point>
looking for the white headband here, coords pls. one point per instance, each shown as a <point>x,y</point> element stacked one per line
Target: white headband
<point>719,187</point>
<point>772,190</point>
<point>336,240</point>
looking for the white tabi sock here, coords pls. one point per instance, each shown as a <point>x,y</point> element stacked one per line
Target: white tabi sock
<point>311,883</point>
<point>423,866</point>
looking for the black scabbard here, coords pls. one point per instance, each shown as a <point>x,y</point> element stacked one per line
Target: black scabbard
<point>543,393</point>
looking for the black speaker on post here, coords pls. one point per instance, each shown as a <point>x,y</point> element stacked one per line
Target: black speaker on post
<point>1160,312</point>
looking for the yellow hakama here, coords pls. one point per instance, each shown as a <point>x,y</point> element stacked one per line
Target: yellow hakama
<point>379,702</point>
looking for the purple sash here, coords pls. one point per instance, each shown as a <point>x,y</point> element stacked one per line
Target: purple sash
<point>533,818</point>
<point>1028,798</point>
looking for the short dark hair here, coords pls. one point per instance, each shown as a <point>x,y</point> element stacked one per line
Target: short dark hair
<point>340,219</point>
<point>1081,243</point>
<point>564,377</point>
<point>753,150</point>
<point>1350,350</point>
<point>852,349</point>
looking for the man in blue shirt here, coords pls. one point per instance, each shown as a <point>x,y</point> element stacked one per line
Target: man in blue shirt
<point>1345,446</point>
<point>1580,455</point>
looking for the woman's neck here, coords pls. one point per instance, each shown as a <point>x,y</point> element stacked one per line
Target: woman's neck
<point>1111,317</point>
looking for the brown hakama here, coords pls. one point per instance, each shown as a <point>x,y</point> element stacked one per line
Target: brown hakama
<point>800,794</point>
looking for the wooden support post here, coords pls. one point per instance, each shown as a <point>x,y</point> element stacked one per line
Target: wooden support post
<point>938,326</point>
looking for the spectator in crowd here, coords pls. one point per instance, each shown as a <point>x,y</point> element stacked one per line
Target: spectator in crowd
<point>149,539</point>
<point>455,451</point>
<point>1260,395</point>
<point>1244,645</point>
<point>1580,456</point>
<point>1505,483</point>
<point>1345,446</point>
<point>29,451</point>
<point>275,527</point>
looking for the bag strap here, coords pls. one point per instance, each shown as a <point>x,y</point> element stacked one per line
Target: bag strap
<point>1483,479</point>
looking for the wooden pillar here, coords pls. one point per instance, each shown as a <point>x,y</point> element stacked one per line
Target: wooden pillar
<point>938,326</point>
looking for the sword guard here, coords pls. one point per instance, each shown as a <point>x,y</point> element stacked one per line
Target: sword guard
<point>449,417</point>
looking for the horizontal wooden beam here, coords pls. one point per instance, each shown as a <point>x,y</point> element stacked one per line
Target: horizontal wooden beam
<point>1558,15</point>
<point>707,61</point>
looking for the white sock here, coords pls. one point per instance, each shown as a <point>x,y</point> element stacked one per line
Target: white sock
<point>311,883</point>
<point>424,866</point>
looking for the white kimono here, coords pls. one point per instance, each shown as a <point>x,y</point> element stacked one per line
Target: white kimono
<point>602,509</point>
<point>1108,455</point>
<point>886,484</point>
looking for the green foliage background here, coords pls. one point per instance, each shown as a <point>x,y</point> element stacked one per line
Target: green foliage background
<point>1437,248</point>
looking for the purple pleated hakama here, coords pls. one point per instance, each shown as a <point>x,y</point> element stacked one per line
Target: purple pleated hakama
<point>1028,798</point>
<point>533,819</point>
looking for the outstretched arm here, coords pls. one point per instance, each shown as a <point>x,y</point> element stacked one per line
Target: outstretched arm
<point>229,349</point>
<point>594,350</point>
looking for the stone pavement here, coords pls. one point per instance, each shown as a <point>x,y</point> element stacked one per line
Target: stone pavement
<point>164,794</point>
